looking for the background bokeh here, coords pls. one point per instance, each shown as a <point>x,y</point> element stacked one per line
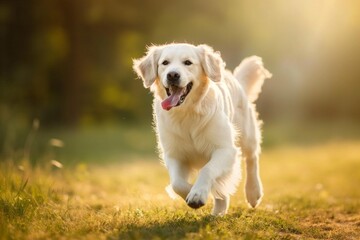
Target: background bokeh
<point>68,63</point>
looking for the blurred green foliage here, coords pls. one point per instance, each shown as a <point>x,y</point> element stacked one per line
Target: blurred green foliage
<point>69,62</point>
<point>66,65</point>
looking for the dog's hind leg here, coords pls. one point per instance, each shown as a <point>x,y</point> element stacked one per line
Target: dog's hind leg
<point>250,145</point>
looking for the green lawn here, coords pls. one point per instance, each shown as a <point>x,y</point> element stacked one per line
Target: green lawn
<point>311,192</point>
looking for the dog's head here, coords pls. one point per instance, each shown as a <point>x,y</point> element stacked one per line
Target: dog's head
<point>178,71</point>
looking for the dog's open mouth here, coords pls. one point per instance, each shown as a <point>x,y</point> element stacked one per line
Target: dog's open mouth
<point>176,96</point>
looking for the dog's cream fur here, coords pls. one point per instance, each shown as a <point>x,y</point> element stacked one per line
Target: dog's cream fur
<point>212,127</point>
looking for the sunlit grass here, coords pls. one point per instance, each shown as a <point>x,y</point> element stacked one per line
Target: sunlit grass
<point>310,193</point>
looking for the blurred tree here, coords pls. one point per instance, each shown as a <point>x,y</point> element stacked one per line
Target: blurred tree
<point>73,85</point>
<point>69,62</point>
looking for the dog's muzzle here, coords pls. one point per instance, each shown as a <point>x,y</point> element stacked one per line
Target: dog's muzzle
<point>176,96</point>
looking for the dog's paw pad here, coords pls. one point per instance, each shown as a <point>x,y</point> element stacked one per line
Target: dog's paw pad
<point>197,198</point>
<point>195,204</point>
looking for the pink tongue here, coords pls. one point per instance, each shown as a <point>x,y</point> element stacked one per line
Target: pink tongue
<point>172,100</point>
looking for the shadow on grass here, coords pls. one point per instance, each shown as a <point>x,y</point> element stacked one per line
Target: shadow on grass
<point>243,224</point>
<point>172,229</point>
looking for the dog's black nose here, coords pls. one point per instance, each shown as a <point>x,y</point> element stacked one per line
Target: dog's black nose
<point>173,77</point>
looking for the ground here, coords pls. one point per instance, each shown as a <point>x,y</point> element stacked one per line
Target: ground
<point>311,192</point>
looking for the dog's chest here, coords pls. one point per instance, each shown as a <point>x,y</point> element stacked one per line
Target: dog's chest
<point>189,140</point>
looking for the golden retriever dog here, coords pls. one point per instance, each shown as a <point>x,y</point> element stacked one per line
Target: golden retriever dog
<point>205,121</point>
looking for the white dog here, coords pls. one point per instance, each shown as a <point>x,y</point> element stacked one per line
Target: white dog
<point>203,116</point>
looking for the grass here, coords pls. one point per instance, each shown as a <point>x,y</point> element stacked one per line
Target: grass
<point>311,192</point>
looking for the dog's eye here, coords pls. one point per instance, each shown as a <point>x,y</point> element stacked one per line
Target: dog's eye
<point>187,63</point>
<point>166,62</point>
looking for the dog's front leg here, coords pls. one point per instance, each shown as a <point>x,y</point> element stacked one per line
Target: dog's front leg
<point>179,175</point>
<point>221,163</point>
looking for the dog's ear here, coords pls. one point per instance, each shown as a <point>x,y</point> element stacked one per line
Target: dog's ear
<point>147,66</point>
<point>211,62</point>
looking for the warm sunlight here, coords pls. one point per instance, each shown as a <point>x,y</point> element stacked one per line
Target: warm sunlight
<point>79,157</point>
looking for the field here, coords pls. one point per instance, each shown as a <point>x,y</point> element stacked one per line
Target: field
<point>110,185</point>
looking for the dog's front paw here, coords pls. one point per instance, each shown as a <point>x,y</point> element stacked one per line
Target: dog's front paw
<point>197,198</point>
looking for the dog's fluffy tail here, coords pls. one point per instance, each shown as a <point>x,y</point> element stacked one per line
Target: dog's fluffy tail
<point>251,75</point>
